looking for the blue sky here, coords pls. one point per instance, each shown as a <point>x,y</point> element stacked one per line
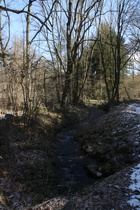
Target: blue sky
<point>17,21</point>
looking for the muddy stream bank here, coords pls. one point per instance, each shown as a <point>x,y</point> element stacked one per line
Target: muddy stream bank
<point>70,160</point>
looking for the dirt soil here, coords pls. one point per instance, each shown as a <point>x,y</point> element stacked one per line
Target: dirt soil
<point>24,167</point>
<point>27,172</point>
<point>114,141</point>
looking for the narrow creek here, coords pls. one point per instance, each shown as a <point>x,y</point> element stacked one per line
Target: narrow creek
<point>70,159</point>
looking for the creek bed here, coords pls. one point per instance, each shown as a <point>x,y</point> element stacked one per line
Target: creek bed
<point>71,160</point>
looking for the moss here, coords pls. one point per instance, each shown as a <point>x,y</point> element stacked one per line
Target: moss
<point>107,169</point>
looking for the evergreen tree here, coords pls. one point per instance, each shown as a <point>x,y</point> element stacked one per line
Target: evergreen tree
<point>104,60</point>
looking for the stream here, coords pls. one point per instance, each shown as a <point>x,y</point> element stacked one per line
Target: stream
<point>70,159</point>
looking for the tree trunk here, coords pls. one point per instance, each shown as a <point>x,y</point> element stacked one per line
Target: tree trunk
<point>26,86</point>
<point>69,70</point>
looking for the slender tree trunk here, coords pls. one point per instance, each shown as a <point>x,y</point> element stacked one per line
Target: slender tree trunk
<point>27,84</point>
<point>69,60</point>
<point>75,90</point>
<point>118,56</point>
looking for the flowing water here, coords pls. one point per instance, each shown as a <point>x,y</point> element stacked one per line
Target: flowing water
<point>70,159</point>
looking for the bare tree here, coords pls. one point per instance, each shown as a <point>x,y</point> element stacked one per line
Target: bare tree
<point>71,24</point>
<point>28,73</point>
<point>125,12</point>
<point>4,41</point>
<point>120,20</point>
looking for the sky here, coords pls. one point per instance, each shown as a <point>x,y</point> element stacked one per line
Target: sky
<point>15,20</point>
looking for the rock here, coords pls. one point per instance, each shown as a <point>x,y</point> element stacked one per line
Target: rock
<point>107,169</point>
<point>69,206</point>
<point>105,106</point>
<point>89,149</point>
<point>10,117</point>
<point>99,174</point>
<point>93,170</point>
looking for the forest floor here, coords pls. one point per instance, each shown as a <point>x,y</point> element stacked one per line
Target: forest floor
<point>27,163</point>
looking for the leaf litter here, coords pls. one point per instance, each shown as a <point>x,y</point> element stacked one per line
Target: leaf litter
<point>118,191</point>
